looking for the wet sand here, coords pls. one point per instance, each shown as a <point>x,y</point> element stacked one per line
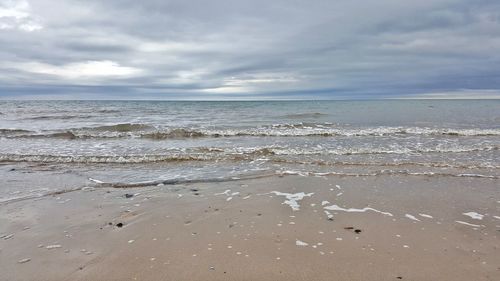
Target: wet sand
<point>388,227</point>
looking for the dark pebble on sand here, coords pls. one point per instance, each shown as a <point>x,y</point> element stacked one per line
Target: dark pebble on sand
<point>330,219</point>
<point>194,189</point>
<point>399,277</point>
<point>259,214</point>
<point>119,224</point>
<point>128,195</point>
<point>358,231</point>
<point>196,193</point>
<point>349,228</point>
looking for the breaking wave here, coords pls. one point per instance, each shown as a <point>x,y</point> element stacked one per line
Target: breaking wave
<point>130,130</point>
<point>271,153</point>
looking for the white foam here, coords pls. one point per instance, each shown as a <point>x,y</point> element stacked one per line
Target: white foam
<point>426,216</point>
<point>411,217</point>
<point>328,214</point>
<point>474,215</point>
<point>96,181</point>
<point>324,203</point>
<point>353,210</point>
<point>293,198</point>
<point>497,217</point>
<point>53,247</point>
<point>224,193</point>
<point>301,243</point>
<point>469,224</point>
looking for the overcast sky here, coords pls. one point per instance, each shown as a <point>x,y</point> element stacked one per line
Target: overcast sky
<point>253,49</point>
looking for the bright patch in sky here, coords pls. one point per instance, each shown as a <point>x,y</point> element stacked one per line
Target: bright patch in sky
<point>88,69</point>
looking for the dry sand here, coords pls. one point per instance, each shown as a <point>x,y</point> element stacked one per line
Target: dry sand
<point>415,230</point>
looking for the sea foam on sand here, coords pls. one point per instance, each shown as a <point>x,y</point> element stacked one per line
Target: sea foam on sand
<point>293,198</point>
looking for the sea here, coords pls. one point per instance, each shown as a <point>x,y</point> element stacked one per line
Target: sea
<point>147,143</point>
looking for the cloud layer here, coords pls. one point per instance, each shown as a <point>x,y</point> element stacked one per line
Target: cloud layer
<point>201,49</point>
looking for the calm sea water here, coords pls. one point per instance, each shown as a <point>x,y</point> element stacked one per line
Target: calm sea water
<point>146,142</point>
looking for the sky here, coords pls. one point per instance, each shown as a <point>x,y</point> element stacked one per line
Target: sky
<point>258,49</point>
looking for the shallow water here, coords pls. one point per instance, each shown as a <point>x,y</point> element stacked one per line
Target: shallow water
<point>126,142</point>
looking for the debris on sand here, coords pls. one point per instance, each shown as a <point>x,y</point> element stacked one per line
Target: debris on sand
<point>56,246</point>
<point>24,260</point>
<point>301,243</point>
<point>356,230</point>
<point>7,237</point>
<point>128,195</point>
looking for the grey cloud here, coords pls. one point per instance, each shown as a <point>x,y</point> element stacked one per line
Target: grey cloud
<point>243,49</point>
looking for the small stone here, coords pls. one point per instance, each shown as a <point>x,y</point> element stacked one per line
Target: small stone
<point>128,195</point>
<point>119,224</point>
<point>24,260</point>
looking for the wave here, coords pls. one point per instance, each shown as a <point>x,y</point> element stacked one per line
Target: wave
<point>8,132</point>
<point>59,117</point>
<point>173,134</point>
<point>124,127</point>
<point>108,111</point>
<point>386,164</point>
<point>384,172</point>
<point>305,115</point>
<point>132,130</point>
<point>273,153</point>
<point>103,159</point>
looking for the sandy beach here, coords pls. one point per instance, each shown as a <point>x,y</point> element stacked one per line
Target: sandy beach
<point>275,228</point>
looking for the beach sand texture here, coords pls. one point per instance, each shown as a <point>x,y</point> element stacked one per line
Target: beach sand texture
<point>292,227</point>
